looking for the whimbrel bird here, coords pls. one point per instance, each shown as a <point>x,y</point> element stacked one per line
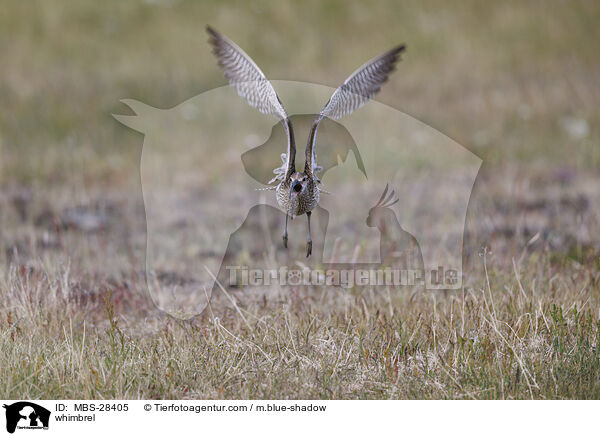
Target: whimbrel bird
<point>299,192</point>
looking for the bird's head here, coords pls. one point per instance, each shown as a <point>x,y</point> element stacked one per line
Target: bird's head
<point>299,182</point>
<point>298,186</point>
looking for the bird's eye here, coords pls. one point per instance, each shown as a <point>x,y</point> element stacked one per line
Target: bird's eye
<point>305,178</point>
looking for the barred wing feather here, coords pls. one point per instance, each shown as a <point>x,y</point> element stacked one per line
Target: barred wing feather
<point>252,85</point>
<point>360,87</point>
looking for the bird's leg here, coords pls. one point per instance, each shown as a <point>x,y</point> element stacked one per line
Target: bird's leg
<point>285,235</point>
<point>309,242</point>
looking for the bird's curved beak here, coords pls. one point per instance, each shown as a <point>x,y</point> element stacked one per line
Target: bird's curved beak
<point>293,187</point>
<point>293,190</point>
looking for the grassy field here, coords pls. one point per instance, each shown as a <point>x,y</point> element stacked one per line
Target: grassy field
<point>530,334</point>
<point>516,83</point>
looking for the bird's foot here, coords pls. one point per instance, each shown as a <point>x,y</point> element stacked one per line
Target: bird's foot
<point>308,248</point>
<point>285,239</point>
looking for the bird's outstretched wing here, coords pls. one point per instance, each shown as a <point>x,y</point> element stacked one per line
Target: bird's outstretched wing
<point>360,87</point>
<point>251,84</point>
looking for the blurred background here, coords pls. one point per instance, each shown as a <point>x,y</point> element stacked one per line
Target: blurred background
<point>517,83</point>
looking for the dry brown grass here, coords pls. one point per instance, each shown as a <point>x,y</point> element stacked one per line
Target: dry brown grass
<point>531,333</point>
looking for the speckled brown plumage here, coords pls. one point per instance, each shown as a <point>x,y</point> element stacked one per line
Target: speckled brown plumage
<point>303,202</point>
